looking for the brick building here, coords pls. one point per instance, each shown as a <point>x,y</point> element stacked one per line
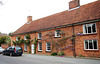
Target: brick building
<point>78,28</point>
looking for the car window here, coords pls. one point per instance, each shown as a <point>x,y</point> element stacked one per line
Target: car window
<point>18,48</point>
<point>9,48</point>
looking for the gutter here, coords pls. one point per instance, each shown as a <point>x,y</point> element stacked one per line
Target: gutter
<point>78,23</point>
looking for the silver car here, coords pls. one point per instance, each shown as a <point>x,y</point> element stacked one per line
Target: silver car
<point>1,49</point>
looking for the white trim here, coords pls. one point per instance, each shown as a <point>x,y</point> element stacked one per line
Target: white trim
<point>91,29</point>
<point>25,47</point>
<point>74,8</point>
<point>39,47</point>
<point>16,38</point>
<point>92,45</point>
<point>56,34</point>
<point>46,46</point>
<point>25,38</point>
<point>39,36</point>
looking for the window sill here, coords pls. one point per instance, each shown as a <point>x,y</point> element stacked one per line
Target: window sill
<point>57,37</point>
<point>39,38</point>
<point>89,34</point>
<point>39,51</point>
<point>25,51</point>
<point>91,50</point>
<point>48,51</point>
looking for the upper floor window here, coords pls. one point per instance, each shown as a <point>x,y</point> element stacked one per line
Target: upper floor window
<point>25,38</point>
<point>90,45</point>
<point>89,28</point>
<point>39,46</point>
<point>16,38</point>
<point>39,35</point>
<point>57,33</point>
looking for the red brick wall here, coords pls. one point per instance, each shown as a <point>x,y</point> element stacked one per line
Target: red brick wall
<point>4,46</point>
<point>79,41</point>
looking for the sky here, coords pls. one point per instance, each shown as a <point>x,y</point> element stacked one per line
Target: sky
<point>13,13</point>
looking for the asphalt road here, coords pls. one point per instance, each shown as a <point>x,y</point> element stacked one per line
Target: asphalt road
<point>41,59</point>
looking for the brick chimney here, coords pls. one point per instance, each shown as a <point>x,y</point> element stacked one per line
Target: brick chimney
<point>74,4</point>
<point>29,19</point>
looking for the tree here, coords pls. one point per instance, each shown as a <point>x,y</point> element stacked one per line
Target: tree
<point>5,40</point>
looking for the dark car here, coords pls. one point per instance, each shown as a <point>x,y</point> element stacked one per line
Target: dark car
<point>13,51</point>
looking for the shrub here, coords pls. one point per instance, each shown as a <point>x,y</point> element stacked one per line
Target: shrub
<point>54,54</point>
<point>61,53</point>
<point>80,55</point>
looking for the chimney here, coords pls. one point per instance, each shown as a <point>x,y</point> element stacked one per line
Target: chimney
<point>29,19</point>
<point>74,4</point>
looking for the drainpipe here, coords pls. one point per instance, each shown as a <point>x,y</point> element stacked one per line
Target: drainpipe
<point>73,42</point>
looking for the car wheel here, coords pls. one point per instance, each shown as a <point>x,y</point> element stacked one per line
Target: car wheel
<point>11,54</point>
<point>3,53</point>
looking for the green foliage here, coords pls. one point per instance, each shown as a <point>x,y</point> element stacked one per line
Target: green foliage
<point>80,55</point>
<point>61,53</point>
<point>35,49</point>
<point>5,40</point>
<point>27,36</point>
<point>54,54</point>
<point>18,37</point>
<point>35,41</point>
<point>18,41</point>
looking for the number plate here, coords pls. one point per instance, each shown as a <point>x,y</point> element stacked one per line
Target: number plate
<point>19,51</point>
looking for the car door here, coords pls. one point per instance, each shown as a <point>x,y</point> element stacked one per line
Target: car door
<point>8,50</point>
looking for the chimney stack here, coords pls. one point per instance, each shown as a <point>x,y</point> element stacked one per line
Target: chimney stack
<point>29,19</point>
<point>74,4</point>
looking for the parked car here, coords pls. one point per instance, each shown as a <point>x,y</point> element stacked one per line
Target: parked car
<point>13,51</point>
<point>1,50</point>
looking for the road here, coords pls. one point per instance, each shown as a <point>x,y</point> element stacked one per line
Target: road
<point>41,59</point>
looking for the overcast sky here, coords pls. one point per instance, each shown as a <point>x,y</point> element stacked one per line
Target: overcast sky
<point>13,14</point>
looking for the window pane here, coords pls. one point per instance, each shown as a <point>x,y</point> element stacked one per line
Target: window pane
<point>58,33</point>
<point>90,44</point>
<point>84,29</point>
<point>40,46</point>
<point>86,44</point>
<point>89,29</point>
<point>48,46</point>
<point>93,28</point>
<point>95,44</point>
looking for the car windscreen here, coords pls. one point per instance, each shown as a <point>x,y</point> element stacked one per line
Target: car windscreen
<point>18,48</point>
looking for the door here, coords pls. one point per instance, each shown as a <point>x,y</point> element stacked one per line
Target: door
<point>32,48</point>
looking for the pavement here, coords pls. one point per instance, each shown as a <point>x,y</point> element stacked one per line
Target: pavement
<point>42,59</point>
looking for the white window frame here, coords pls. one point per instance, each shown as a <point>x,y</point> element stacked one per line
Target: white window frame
<point>16,38</point>
<point>25,38</point>
<point>39,46</point>
<point>25,47</point>
<point>91,29</point>
<point>39,36</point>
<point>47,46</point>
<point>92,45</point>
<point>56,33</point>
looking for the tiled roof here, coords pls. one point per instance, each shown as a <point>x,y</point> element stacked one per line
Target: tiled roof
<point>86,12</point>
<point>3,34</point>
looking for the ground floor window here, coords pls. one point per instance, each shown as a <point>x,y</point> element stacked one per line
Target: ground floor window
<point>39,46</point>
<point>25,47</point>
<point>90,45</point>
<point>48,46</point>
